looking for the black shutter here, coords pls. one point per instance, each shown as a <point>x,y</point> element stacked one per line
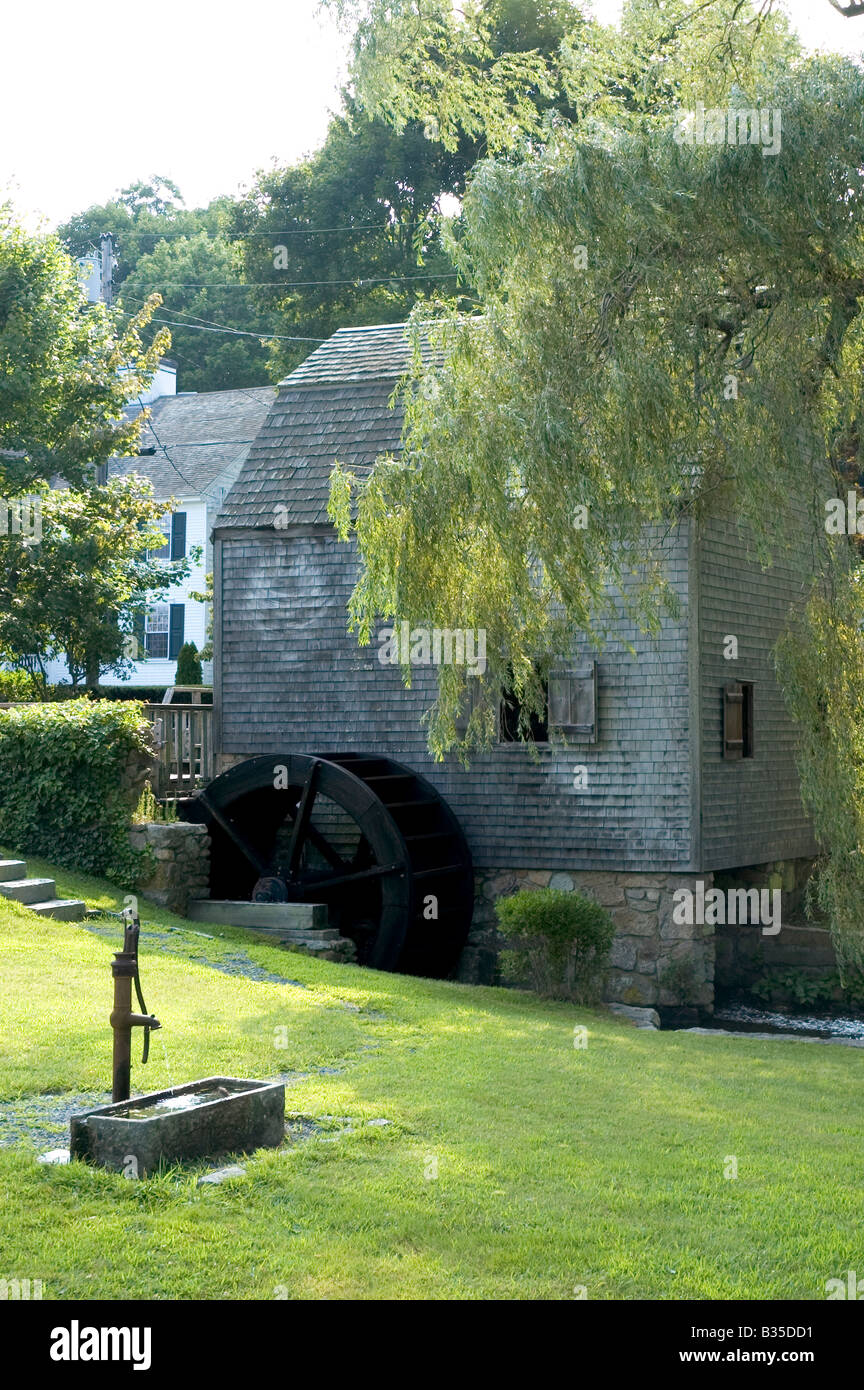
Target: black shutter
<point>175,630</point>
<point>138,634</point>
<point>178,536</point>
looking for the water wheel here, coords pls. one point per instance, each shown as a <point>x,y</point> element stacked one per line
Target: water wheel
<point>363,834</point>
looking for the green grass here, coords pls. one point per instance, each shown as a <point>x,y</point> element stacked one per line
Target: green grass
<point>557,1166</point>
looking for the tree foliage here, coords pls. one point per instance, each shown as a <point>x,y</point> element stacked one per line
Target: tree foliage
<point>185,256</point>
<point>375,196</point>
<point>665,328</point>
<point>61,389</point>
<point>821,665</point>
<point>188,665</point>
<point>200,278</point>
<point>76,593</point>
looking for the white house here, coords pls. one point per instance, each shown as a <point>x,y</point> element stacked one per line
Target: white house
<point>192,450</point>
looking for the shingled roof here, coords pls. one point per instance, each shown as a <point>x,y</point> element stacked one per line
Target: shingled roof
<point>334,406</point>
<point>199,441</point>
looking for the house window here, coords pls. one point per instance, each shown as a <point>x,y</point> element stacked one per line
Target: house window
<point>164,551</point>
<point>173,528</point>
<point>509,712</point>
<point>164,630</point>
<point>738,720</point>
<point>156,632</point>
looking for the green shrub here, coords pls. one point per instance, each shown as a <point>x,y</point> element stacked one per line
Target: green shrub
<point>558,943</point>
<point>792,987</point>
<point>65,792</point>
<point>149,809</point>
<point>679,979</point>
<point>188,665</point>
<point>17,685</point>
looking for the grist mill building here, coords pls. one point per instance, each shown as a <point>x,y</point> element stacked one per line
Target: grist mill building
<point>688,755</point>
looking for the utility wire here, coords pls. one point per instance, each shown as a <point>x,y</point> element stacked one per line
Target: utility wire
<point>243,236</point>
<point>197,490</point>
<point>237,332</point>
<point>358,280</point>
<point>221,328</point>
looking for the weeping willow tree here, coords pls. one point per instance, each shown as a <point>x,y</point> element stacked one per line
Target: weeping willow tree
<point>670,327</point>
<point>821,666</point>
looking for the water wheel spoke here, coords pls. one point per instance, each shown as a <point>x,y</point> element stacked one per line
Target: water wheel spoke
<point>328,881</point>
<point>326,850</point>
<point>245,848</point>
<point>301,820</point>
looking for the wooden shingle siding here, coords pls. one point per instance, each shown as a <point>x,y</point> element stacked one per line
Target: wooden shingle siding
<point>659,795</point>
<point>292,676</point>
<point>751,807</point>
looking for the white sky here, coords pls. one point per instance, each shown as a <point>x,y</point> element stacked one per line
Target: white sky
<point>199,91</point>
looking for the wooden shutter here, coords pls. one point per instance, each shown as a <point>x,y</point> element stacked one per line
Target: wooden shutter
<point>468,703</point>
<point>176,625</point>
<point>178,536</point>
<point>138,635</point>
<point>733,720</point>
<point>573,701</point>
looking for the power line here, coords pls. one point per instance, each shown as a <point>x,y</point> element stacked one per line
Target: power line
<point>244,236</point>
<point>197,489</point>
<point>199,443</point>
<point>358,280</point>
<point>236,332</point>
<point>200,324</point>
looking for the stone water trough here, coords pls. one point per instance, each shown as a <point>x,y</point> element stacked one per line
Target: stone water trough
<point>217,1115</point>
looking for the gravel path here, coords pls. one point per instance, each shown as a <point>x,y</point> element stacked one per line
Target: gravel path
<point>234,963</point>
<point>44,1120</point>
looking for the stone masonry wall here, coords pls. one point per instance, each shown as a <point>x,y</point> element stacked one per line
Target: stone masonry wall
<point>802,945</point>
<point>654,960</point>
<point>181,863</point>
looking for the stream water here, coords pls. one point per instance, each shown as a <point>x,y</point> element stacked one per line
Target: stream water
<point>743,1018</point>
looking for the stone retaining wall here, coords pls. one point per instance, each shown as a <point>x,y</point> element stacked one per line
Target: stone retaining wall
<point>181,856</point>
<point>654,959</point>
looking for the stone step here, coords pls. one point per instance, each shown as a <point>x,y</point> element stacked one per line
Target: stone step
<point>297,934</point>
<point>64,909</point>
<point>12,868</point>
<point>278,916</point>
<point>29,890</point>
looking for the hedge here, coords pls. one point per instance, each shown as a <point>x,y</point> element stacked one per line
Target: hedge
<point>69,782</point>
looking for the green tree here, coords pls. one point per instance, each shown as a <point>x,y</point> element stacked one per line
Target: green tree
<point>666,328</point>
<point>62,392</point>
<point>78,591</point>
<point>138,218</point>
<point>163,247</point>
<point>188,665</point>
<point>206,597</point>
<point>381,187</point>
<point>200,279</point>
<point>623,277</point>
<point>384,185</point>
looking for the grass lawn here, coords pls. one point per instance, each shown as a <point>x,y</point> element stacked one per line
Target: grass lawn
<point>557,1166</point>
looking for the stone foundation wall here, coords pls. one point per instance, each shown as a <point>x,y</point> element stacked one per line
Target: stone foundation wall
<point>654,960</point>
<point>182,863</point>
<point>744,952</point>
